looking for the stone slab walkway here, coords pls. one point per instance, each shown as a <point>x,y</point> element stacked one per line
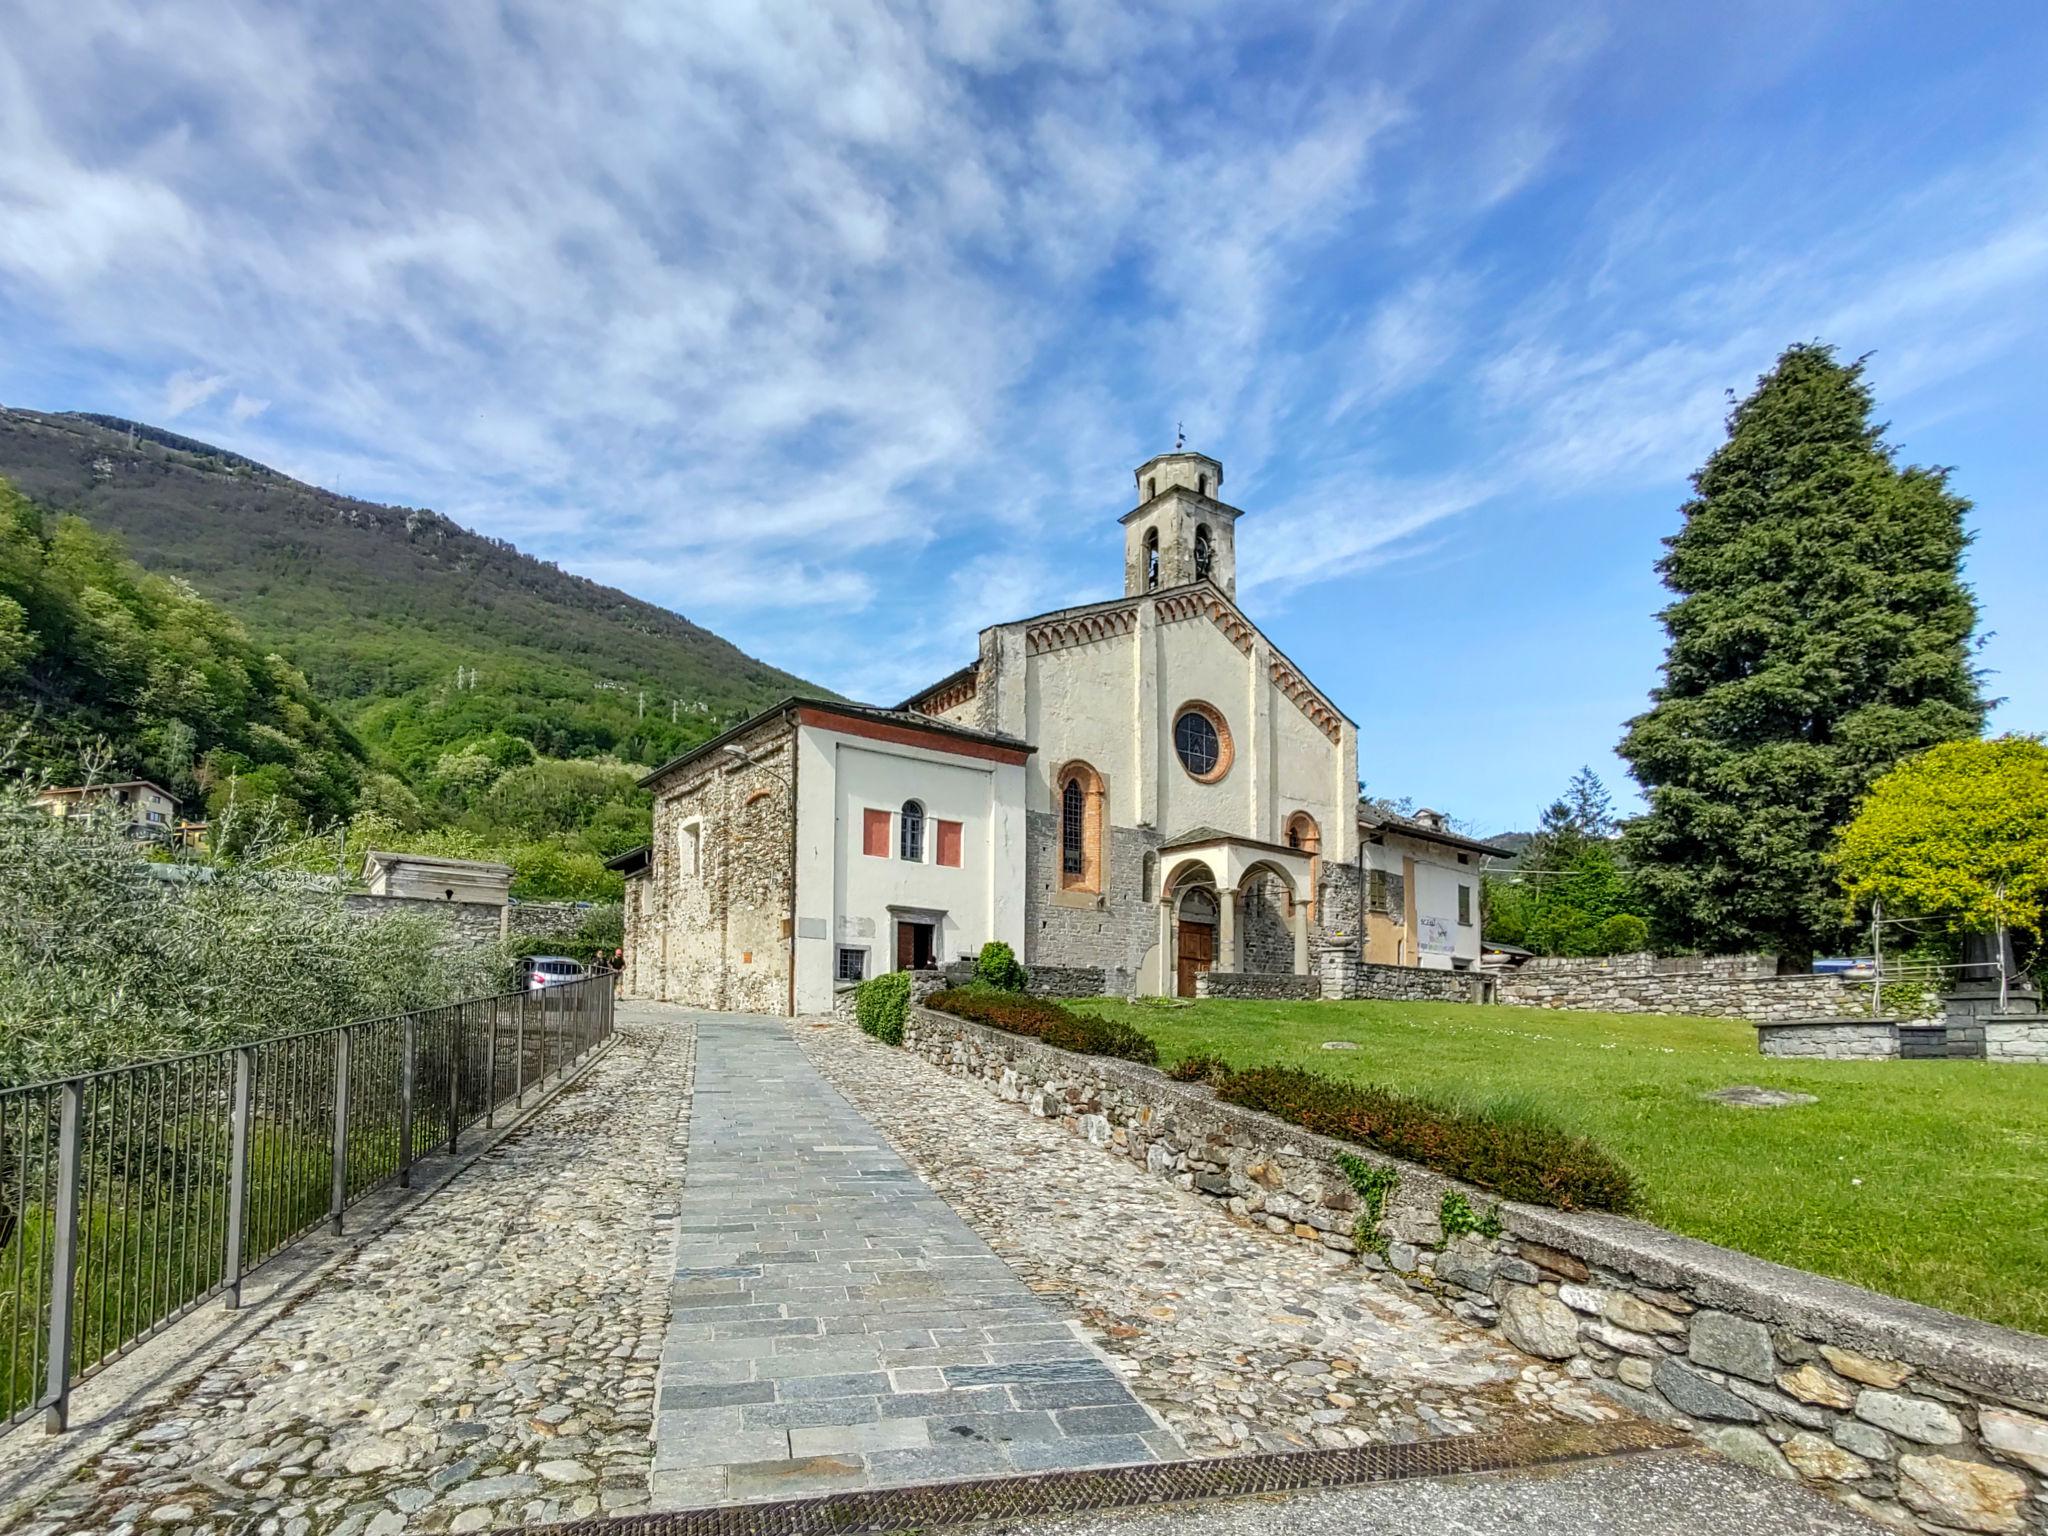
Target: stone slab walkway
<point>836,1324</point>
<point>1240,1340</point>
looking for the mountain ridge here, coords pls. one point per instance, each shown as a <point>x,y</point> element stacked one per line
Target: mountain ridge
<point>421,632</point>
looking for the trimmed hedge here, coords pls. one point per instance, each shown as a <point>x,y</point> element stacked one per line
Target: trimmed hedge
<point>881,1004</point>
<point>999,967</point>
<point>1515,1157</point>
<point>1042,1020</point>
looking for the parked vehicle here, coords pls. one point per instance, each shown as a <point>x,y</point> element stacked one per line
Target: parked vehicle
<point>550,971</point>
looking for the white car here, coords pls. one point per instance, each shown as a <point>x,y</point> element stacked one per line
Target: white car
<point>550,971</point>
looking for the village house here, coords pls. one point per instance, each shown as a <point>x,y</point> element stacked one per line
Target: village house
<point>144,809</point>
<point>1130,793</point>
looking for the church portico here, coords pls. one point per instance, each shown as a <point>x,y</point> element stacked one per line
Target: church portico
<point>1228,904</point>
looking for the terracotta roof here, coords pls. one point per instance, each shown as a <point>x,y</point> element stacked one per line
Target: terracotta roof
<point>907,718</point>
<point>1372,818</point>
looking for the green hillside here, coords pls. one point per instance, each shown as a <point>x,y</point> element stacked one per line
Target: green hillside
<point>384,608</point>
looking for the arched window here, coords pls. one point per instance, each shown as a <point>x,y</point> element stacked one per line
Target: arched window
<point>910,836</point>
<point>1303,834</point>
<point>1205,557</point>
<point>1080,798</point>
<point>1201,485</point>
<point>1151,559</point>
<point>1151,489</point>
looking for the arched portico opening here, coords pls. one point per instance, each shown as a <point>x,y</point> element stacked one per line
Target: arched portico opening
<point>1191,932</point>
<point>1272,922</point>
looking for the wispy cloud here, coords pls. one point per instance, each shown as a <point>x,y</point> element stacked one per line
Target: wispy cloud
<point>843,327</point>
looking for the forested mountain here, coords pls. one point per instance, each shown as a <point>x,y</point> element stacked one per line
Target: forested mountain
<point>108,671</point>
<point>422,635</point>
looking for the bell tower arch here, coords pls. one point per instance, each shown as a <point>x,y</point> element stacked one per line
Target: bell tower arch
<point>1181,530</point>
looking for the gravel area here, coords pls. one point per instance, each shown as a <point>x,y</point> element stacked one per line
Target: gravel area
<point>489,1359</point>
<point>1240,1340</point>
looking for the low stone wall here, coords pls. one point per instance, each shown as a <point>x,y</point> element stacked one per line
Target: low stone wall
<point>553,919</point>
<point>472,924</point>
<point>1922,1418</point>
<point>1067,981</point>
<point>1726,986</point>
<point>1832,1039</point>
<point>1412,984</point>
<point>2016,1039</point>
<point>1253,987</point>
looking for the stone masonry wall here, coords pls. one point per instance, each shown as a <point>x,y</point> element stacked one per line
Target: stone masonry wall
<point>471,924</point>
<point>2016,1039</point>
<point>1735,988</point>
<point>1848,1040</point>
<point>1110,933</point>
<point>552,919</point>
<point>1067,981</point>
<point>1923,1419</point>
<point>716,936</point>
<point>1257,986</point>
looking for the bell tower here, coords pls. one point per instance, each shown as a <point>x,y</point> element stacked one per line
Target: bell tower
<point>1181,531</point>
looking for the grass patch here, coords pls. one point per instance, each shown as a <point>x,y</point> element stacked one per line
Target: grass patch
<point>1924,1179</point>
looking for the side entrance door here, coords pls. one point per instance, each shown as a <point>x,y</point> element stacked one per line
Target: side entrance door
<point>1197,953</point>
<point>913,945</point>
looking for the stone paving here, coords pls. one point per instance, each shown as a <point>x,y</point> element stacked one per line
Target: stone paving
<point>1240,1340</point>
<point>836,1325</point>
<point>489,1359</point>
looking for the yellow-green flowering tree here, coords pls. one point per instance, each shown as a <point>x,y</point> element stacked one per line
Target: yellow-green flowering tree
<point>1959,833</point>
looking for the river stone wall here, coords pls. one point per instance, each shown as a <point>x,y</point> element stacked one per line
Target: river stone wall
<point>1923,1419</point>
<point>1257,987</point>
<point>470,924</point>
<point>553,919</point>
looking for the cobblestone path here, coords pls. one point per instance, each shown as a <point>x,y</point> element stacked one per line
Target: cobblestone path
<point>490,1359</point>
<point>1241,1340</point>
<point>836,1325</point>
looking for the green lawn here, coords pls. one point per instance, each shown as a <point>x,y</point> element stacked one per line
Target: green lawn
<point>1926,1179</point>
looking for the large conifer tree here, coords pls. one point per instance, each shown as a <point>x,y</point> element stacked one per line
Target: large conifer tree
<point>1821,632</point>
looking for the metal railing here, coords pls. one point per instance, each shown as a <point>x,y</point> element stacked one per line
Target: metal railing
<point>129,1197</point>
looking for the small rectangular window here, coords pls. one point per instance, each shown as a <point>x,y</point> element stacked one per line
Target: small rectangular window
<point>853,965</point>
<point>689,848</point>
<point>874,834</point>
<point>949,844</point>
<point>1465,906</point>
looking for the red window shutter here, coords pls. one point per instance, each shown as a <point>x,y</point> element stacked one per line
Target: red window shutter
<point>949,843</point>
<point>874,834</point>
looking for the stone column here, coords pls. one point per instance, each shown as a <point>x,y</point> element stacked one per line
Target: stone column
<point>1226,930</point>
<point>1301,938</point>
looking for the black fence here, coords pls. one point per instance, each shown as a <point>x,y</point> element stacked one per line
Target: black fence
<point>129,1197</point>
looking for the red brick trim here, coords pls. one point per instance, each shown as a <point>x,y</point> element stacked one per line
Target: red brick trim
<point>909,736</point>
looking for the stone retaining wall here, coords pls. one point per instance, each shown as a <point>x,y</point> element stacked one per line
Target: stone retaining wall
<point>1832,1039</point>
<point>1067,981</point>
<point>1735,989</point>
<point>1924,1419</point>
<point>553,919</point>
<point>2016,1039</point>
<point>1259,988</point>
<point>472,924</point>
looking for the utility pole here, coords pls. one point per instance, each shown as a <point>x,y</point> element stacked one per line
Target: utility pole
<point>2004,997</point>
<point>1877,956</point>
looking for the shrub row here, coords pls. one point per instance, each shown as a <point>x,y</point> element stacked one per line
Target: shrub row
<point>881,1004</point>
<point>1047,1021</point>
<point>1513,1155</point>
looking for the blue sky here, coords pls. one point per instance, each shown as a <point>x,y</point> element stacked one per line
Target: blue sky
<point>840,327</point>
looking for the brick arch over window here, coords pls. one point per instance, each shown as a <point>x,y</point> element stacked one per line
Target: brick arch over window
<point>1080,806</point>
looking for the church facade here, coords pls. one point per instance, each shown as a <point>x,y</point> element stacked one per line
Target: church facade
<point>1130,793</point>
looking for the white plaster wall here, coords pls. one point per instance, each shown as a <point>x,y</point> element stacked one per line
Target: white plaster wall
<point>1437,878</point>
<point>845,896</point>
<point>1078,705</point>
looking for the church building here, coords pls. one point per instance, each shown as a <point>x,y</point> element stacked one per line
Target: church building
<point>1133,794</point>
